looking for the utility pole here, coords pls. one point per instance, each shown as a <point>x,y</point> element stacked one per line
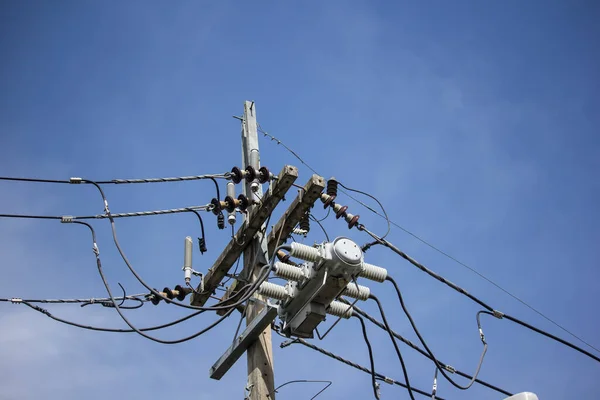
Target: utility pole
<point>261,381</point>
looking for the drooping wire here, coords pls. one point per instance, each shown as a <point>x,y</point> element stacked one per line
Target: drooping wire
<point>387,218</point>
<point>447,367</point>
<point>393,339</point>
<point>118,308</point>
<point>125,297</point>
<point>202,239</point>
<point>371,359</point>
<point>432,356</point>
<point>442,252</point>
<point>350,363</point>
<point>321,225</point>
<point>328,383</point>
<point>496,313</point>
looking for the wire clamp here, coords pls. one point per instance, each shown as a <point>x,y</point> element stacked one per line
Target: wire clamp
<point>450,369</point>
<point>388,380</point>
<point>65,219</point>
<point>75,180</point>
<point>498,314</point>
<point>16,300</point>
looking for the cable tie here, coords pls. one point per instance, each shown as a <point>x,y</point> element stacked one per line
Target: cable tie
<point>75,180</point>
<point>16,300</point>
<point>450,369</point>
<point>65,219</point>
<point>498,314</point>
<point>387,380</point>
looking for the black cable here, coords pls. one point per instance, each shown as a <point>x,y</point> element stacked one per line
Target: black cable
<point>326,215</point>
<point>201,240</point>
<point>432,356</point>
<point>123,298</point>
<point>114,330</point>
<point>371,359</point>
<point>226,175</point>
<point>389,226</point>
<point>329,383</point>
<point>118,308</point>
<point>217,188</point>
<point>352,364</point>
<point>321,225</point>
<point>389,331</point>
<point>29,216</point>
<point>424,353</point>
<point>475,299</point>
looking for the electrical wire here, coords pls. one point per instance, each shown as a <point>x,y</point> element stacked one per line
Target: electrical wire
<point>371,359</point>
<point>387,218</point>
<point>393,339</point>
<point>321,225</point>
<point>447,367</point>
<point>437,249</point>
<point>351,364</point>
<point>226,175</point>
<point>432,356</point>
<point>496,313</point>
<point>329,383</point>
<point>118,308</point>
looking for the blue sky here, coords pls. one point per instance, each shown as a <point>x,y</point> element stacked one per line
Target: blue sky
<point>476,125</point>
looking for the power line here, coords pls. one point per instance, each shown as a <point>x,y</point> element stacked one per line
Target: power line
<point>328,383</point>
<point>435,248</point>
<point>226,175</point>
<point>496,313</point>
<point>359,367</point>
<point>447,367</point>
<point>371,359</point>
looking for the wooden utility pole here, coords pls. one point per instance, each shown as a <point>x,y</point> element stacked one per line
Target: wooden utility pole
<point>261,381</point>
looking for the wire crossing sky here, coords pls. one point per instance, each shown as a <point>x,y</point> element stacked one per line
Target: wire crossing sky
<point>474,124</point>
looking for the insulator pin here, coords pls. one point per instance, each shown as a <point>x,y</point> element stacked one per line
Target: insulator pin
<point>264,175</point>
<point>332,187</point>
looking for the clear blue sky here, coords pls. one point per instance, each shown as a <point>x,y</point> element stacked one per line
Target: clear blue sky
<point>476,124</point>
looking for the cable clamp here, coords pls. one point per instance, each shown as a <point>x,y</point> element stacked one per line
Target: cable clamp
<point>388,380</point>
<point>450,369</point>
<point>16,300</point>
<point>65,219</point>
<point>75,180</point>
<point>498,314</point>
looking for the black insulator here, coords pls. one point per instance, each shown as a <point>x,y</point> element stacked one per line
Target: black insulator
<point>332,187</point>
<point>341,212</point>
<point>264,175</point>
<point>155,299</point>
<point>182,292</point>
<point>230,207</point>
<point>352,223</point>
<point>169,293</point>
<point>216,206</point>
<point>221,221</point>
<point>250,173</point>
<point>236,175</point>
<point>304,223</point>
<point>202,245</point>
<point>244,203</point>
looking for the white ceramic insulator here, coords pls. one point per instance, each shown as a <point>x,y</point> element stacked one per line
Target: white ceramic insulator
<point>373,272</point>
<point>273,291</point>
<point>231,189</point>
<point>187,258</point>
<point>361,293</point>
<point>255,159</point>
<point>305,252</point>
<point>340,309</point>
<point>289,272</point>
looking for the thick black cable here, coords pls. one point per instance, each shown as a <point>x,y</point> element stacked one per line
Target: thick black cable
<point>371,359</point>
<point>352,364</point>
<point>475,299</point>
<point>118,308</point>
<point>202,241</point>
<point>226,175</point>
<point>393,339</point>
<point>114,330</point>
<point>29,216</point>
<point>431,355</point>
<point>447,367</point>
